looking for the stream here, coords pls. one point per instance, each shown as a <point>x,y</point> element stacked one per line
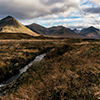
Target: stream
<point>21,71</point>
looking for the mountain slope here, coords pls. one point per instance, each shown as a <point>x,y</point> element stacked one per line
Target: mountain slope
<point>38,29</point>
<point>91,32</point>
<point>53,31</point>
<point>11,25</point>
<point>76,31</point>
<point>64,32</point>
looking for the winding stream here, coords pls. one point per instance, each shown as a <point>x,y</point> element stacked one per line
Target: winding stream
<point>24,69</point>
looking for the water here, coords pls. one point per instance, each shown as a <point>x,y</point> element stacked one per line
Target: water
<point>24,69</point>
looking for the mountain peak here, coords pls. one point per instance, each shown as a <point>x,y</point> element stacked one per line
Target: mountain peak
<point>91,32</point>
<point>11,25</point>
<point>93,28</point>
<point>76,31</point>
<point>34,24</point>
<point>9,16</point>
<point>9,21</point>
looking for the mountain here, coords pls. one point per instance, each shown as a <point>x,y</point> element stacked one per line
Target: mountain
<point>91,32</point>
<point>38,29</point>
<point>59,31</point>
<point>83,29</point>
<point>52,30</point>
<point>63,32</point>
<point>11,25</point>
<point>76,31</point>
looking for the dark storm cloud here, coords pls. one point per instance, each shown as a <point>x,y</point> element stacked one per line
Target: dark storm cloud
<point>29,9</point>
<point>92,10</point>
<point>22,9</point>
<point>49,2</point>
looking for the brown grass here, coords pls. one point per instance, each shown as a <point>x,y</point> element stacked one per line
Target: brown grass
<point>15,54</point>
<point>70,71</point>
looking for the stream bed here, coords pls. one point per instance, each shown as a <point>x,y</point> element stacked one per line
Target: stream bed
<point>21,71</point>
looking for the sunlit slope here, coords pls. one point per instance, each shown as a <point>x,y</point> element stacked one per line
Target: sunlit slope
<point>11,25</point>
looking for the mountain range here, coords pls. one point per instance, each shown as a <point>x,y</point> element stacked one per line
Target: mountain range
<point>59,31</point>
<point>11,25</point>
<point>90,32</point>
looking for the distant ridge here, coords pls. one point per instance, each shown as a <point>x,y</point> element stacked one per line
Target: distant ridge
<point>59,31</point>
<point>63,32</point>
<point>90,32</point>
<point>11,25</point>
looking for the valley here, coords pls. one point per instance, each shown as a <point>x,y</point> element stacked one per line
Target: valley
<point>68,69</point>
<point>49,49</point>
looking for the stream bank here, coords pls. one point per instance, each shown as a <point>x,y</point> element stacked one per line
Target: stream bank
<point>11,81</point>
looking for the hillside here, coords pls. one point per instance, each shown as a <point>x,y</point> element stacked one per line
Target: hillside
<point>91,32</point>
<point>11,25</point>
<point>38,29</point>
<point>63,32</point>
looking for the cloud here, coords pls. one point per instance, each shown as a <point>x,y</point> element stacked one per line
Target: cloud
<point>92,10</point>
<point>70,13</point>
<point>50,2</point>
<point>21,9</point>
<point>95,1</point>
<point>29,9</point>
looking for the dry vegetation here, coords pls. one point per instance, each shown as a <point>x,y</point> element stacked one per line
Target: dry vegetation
<point>16,54</point>
<point>70,71</point>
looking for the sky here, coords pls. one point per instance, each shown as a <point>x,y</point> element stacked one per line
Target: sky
<point>69,13</point>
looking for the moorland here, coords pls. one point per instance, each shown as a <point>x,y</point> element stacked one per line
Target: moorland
<point>69,71</point>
